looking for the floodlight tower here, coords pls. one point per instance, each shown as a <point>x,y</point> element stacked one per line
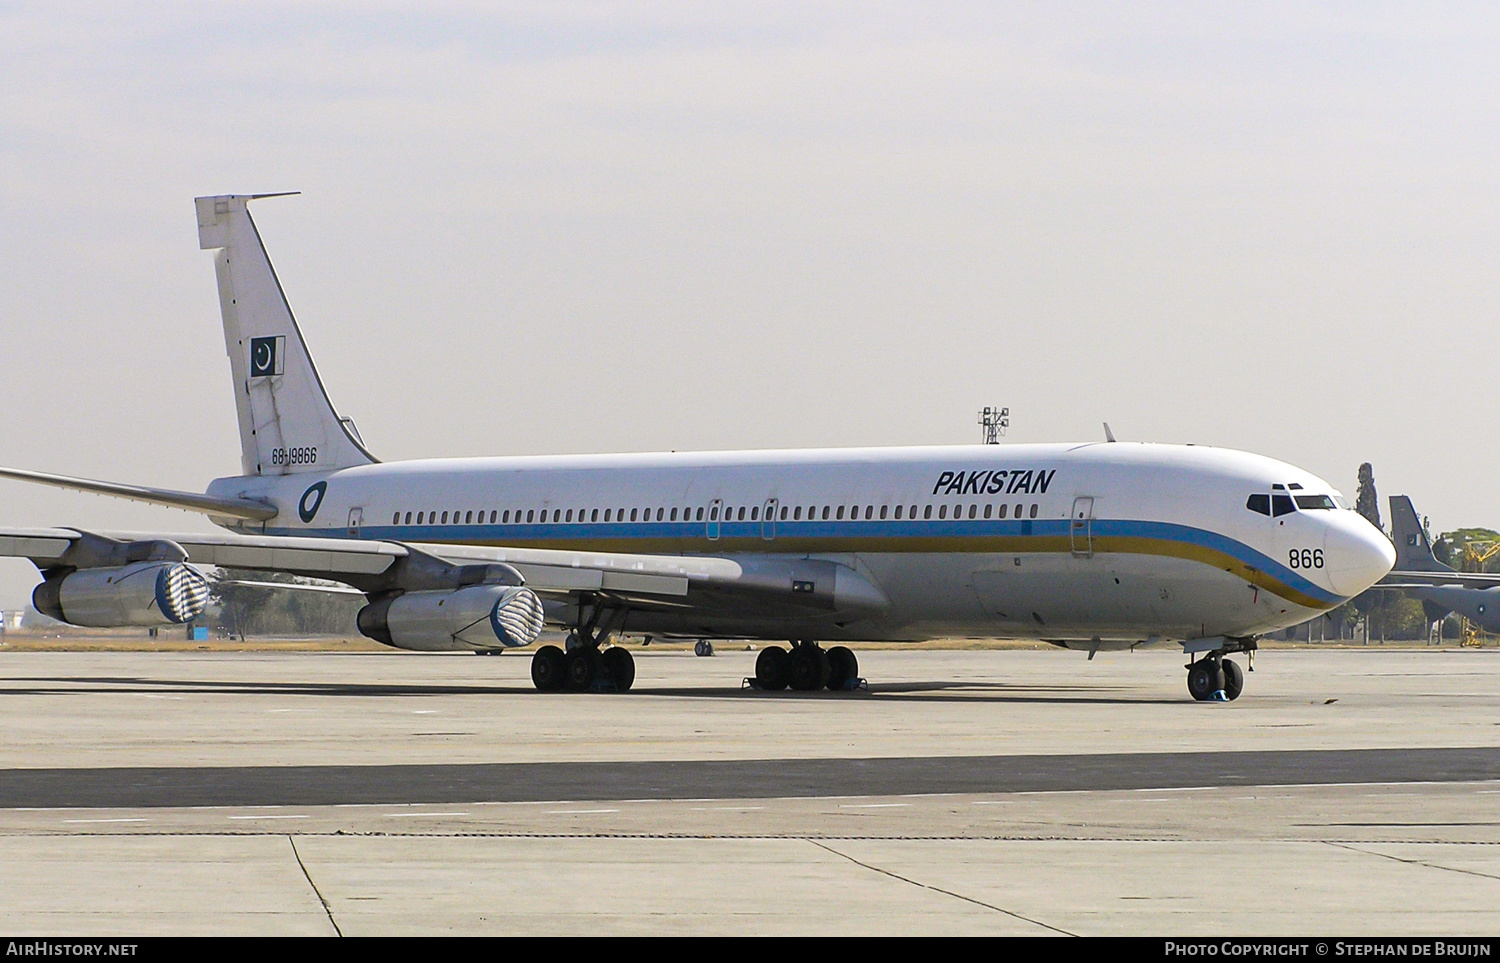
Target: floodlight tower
<point>994,421</point>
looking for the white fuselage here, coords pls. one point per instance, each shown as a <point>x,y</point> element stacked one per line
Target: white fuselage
<point>1114,543</point>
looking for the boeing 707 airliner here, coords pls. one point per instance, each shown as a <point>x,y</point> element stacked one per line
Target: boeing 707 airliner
<point>1088,546</point>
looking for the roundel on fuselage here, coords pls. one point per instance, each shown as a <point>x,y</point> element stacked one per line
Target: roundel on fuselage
<point>312,500</point>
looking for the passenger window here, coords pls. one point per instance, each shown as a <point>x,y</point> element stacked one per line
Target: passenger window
<point>942,511</point>
<point>1018,511</point>
<point>1033,511</point>
<point>570,514</point>
<point>1003,510</point>
<point>742,514</point>
<point>505,518</point>
<point>713,514</point>
<point>700,514</point>
<point>825,513</point>
<point>659,512</point>
<point>1281,505</point>
<point>783,513</point>
<point>841,512</point>
<point>927,512</point>
<point>882,513</point>
<point>755,514</point>
<point>633,513</point>
<point>408,518</point>
<point>530,514</point>
<point>468,517</point>
<point>869,512</point>
<point>1260,504</point>
<point>674,515</point>
<point>987,510</point>
<point>797,514</point>
<point>973,510</point>
<point>898,512</point>
<point>445,518</point>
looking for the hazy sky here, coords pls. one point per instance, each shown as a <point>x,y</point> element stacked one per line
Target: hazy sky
<point>561,227</point>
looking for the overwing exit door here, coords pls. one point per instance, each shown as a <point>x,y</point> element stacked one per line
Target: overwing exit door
<point>1081,527</point>
<point>768,520</point>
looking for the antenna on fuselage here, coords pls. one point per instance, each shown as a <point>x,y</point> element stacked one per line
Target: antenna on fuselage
<point>1108,435</point>
<point>994,422</point>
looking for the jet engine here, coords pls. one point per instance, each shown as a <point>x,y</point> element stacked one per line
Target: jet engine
<point>469,619</point>
<point>141,593</point>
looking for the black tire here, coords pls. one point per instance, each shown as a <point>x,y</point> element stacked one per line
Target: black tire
<point>843,668</point>
<point>1204,679</point>
<point>807,668</point>
<point>619,667</point>
<point>549,668</point>
<point>771,668</point>
<point>582,668</point>
<point>1234,680</point>
<point>703,647</point>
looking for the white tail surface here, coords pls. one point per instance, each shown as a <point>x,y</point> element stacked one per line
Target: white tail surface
<point>287,423</point>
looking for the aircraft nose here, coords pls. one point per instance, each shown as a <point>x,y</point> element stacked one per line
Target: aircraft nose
<point>1359,554</point>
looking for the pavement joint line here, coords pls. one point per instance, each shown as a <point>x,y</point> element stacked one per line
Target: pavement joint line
<point>327,910</point>
<point>711,837</point>
<point>939,889</point>
<point>1354,848</point>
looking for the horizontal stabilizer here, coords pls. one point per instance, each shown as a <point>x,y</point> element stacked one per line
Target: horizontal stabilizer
<point>188,501</point>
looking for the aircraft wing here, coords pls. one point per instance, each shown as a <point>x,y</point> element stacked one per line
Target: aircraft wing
<point>1401,579</point>
<point>717,584</point>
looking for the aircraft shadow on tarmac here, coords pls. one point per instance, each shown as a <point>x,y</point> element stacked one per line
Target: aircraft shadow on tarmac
<point>967,691</point>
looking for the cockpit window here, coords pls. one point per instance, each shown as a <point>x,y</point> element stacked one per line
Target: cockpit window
<point>1306,502</point>
<point>1259,503</point>
<point>1281,505</point>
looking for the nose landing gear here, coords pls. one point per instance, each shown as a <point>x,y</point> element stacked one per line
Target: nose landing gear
<point>1215,678</point>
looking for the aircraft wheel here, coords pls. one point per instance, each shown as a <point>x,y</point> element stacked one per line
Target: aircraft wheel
<point>771,668</point>
<point>843,667</point>
<point>1234,679</point>
<point>549,668</point>
<point>619,666</point>
<point>703,647</point>
<point>582,668</point>
<point>1204,679</point>
<point>808,668</point>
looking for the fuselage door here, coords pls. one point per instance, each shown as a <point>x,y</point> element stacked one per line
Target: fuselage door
<point>714,508</point>
<point>1081,527</point>
<point>768,520</point>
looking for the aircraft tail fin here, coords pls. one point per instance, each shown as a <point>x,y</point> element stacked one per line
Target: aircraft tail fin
<point>1413,549</point>
<point>287,422</point>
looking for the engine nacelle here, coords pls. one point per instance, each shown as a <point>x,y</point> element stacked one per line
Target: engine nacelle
<point>472,618</point>
<point>141,593</point>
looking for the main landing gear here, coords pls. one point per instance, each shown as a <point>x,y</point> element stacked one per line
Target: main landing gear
<point>808,667</point>
<point>585,666</point>
<point>1214,678</point>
